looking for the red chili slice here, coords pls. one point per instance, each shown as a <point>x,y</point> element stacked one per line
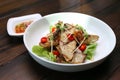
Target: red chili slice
<point>55,52</point>
<point>43,39</point>
<point>53,29</point>
<point>70,37</point>
<point>82,47</point>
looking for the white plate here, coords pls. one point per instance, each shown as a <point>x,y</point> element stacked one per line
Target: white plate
<point>12,22</point>
<point>106,42</point>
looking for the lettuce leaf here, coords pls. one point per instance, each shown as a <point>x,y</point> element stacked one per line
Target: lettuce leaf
<point>90,50</point>
<point>42,52</point>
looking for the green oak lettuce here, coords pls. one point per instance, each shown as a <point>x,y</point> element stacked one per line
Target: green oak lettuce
<point>40,51</point>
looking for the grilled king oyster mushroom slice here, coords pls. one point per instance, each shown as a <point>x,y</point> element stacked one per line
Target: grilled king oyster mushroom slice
<point>67,49</point>
<point>78,57</point>
<point>91,39</point>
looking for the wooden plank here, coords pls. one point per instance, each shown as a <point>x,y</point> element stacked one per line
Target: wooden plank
<point>11,53</point>
<point>17,4</point>
<point>23,68</point>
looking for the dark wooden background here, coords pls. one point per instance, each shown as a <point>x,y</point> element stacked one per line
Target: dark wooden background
<point>15,62</point>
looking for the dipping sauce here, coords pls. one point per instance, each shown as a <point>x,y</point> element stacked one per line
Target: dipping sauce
<point>20,28</point>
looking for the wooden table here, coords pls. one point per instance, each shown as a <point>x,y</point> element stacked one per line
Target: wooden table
<point>15,62</point>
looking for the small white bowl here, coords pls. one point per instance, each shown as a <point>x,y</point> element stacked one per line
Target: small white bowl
<point>12,22</point>
<point>106,42</point>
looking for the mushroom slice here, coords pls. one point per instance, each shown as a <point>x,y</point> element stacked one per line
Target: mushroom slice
<point>79,35</point>
<point>63,37</point>
<point>67,50</point>
<point>91,39</point>
<point>78,57</point>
